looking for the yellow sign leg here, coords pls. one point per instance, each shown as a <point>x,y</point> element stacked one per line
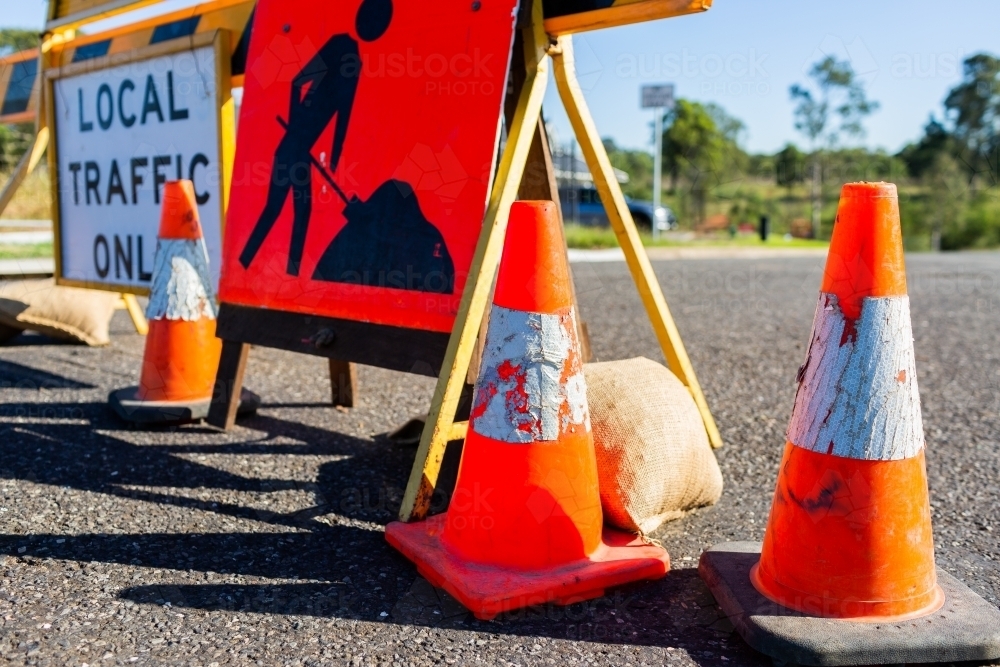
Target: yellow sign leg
<point>135,312</point>
<point>441,426</point>
<point>24,167</point>
<point>628,236</point>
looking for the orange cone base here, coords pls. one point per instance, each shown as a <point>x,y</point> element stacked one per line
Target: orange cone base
<point>966,628</point>
<point>489,590</point>
<point>858,611</point>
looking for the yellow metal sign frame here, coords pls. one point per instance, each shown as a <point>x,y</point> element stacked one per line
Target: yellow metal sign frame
<point>441,426</point>
<point>623,12</point>
<point>232,15</point>
<point>64,14</point>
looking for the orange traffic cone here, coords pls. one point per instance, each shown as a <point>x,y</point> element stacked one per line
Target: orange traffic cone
<point>850,529</point>
<point>182,352</point>
<point>849,535</point>
<point>524,525</point>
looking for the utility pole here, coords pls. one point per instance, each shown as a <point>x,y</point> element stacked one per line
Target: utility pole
<point>574,195</point>
<point>659,98</point>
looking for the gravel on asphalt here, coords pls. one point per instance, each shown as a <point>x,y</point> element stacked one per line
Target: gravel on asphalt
<point>264,545</point>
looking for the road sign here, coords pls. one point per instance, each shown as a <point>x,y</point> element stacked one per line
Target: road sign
<point>19,71</point>
<point>123,127</point>
<point>18,86</point>
<point>563,17</point>
<point>659,96</point>
<point>359,191</point>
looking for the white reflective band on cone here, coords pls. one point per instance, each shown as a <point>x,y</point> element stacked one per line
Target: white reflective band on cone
<point>521,395</point>
<point>857,394</point>
<point>182,285</point>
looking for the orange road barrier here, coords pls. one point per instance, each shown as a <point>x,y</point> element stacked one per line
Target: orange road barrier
<point>525,526</point>
<point>182,353</point>
<point>849,534</point>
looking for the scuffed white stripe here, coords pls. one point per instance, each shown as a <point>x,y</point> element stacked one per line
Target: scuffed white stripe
<point>521,395</point>
<point>859,399</point>
<point>182,286</point>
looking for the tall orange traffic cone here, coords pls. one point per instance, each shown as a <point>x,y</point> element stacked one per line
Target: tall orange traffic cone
<point>182,352</point>
<point>849,535</point>
<point>524,525</point>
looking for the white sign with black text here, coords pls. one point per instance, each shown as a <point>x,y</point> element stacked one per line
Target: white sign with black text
<point>121,133</point>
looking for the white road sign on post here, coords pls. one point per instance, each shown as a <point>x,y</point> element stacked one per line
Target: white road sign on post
<point>122,129</point>
<point>658,98</point>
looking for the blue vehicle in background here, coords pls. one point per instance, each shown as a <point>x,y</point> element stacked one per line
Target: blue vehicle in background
<point>582,205</point>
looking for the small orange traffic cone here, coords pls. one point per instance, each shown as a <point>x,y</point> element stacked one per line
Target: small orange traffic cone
<point>525,526</point>
<point>849,534</point>
<point>182,352</point>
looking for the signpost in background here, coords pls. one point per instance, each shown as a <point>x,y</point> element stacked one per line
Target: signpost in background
<point>658,98</point>
<point>123,126</point>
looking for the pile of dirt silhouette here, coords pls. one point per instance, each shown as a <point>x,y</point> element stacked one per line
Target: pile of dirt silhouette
<point>387,242</point>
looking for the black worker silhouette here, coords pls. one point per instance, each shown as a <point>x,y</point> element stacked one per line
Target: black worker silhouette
<point>387,242</point>
<point>322,89</point>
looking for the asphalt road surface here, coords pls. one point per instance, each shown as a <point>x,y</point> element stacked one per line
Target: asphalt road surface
<point>264,545</point>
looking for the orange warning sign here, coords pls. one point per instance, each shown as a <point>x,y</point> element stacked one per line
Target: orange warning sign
<point>367,138</point>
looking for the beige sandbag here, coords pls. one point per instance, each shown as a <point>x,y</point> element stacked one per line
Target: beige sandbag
<point>61,312</point>
<point>654,461</point>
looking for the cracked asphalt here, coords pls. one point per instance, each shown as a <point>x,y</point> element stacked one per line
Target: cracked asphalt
<point>265,546</point>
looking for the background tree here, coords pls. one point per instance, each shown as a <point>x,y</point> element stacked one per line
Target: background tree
<point>789,166</point>
<point>921,156</point>
<point>836,106</point>
<point>637,164</point>
<point>13,40</point>
<point>974,110</point>
<point>698,151</point>
<point>947,188</point>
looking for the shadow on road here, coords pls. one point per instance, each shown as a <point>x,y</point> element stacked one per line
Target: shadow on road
<point>328,560</point>
<point>16,376</point>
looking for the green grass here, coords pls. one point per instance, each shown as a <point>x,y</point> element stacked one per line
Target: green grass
<point>578,236</point>
<point>26,251</point>
<point>32,201</point>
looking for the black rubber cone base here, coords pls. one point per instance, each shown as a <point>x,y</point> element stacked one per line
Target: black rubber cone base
<point>966,628</point>
<point>131,409</point>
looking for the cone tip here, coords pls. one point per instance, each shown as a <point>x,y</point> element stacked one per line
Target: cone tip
<point>534,207</point>
<point>869,190</point>
<point>866,249</point>
<point>179,215</point>
<point>534,273</point>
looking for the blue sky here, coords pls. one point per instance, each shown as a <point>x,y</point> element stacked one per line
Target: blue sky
<point>744,54</point>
